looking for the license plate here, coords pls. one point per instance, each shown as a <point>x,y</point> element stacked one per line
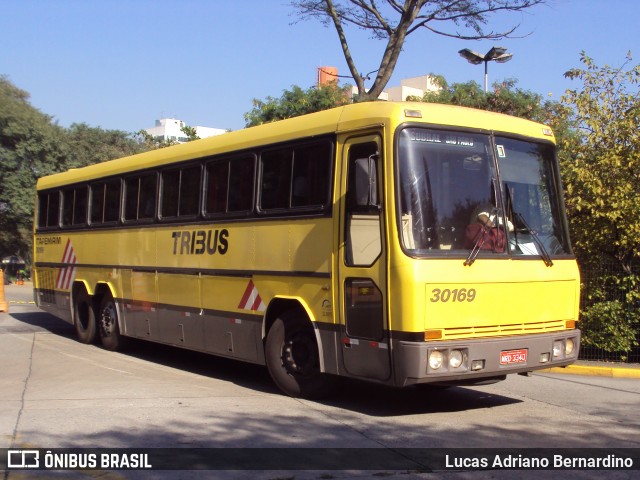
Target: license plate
<point>510,357</point>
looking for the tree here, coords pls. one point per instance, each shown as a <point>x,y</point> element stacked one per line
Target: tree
<point>89,145</point>
<point>296,102</point>
<point>190,132</point>
<point>505,98</point>
<point>603,177</point>
<point>149,142</point>
<point>602,181</point>
<point>395,20</point>
<point>30,146</point>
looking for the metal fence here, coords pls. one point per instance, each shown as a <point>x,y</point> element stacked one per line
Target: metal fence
<point>599,280</point>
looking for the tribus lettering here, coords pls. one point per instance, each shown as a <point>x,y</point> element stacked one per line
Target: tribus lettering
<point>200,242</point>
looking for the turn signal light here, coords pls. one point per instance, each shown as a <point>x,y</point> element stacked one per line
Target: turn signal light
<point>433,335</point>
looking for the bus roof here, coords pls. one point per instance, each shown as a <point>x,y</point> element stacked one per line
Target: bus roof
<point>336,120</point>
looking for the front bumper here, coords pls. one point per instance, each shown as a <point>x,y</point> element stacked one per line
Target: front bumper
<point>481,358</point>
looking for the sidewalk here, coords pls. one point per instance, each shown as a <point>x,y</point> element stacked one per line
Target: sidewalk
<point>599,369</point>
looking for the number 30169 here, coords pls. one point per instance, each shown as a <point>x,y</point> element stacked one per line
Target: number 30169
<point>455,295</point>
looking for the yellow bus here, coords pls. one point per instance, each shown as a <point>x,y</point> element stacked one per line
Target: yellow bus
<point>400,243</point>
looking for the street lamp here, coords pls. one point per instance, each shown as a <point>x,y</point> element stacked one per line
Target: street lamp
<point>496,54</point>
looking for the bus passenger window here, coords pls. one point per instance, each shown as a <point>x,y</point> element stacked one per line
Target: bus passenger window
<point>112,200</point>
<point>217,183</point>
<point>97,203</point>
<point>48,209</point>
<point>241,181</point>
<point>43,204</point>
<point>189,191</point>
<point>311,175</point>
<point>74,206</point>
<point>170,193</point>
<point>147,207</point>
<point>140,197</point>
<point>276,179</point>
<point>67,207</point>
<point>230,185</point>
<point>131,198</point>
<point>105,201</point>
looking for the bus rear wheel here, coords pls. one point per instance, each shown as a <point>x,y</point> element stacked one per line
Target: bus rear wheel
<point>292,358</point>
<point>84,319</point>
<point>108,325</point>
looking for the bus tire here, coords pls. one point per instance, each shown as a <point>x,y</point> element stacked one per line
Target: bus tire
<point>108,325</point>
<point>84,318</point>
<point>292,358</point>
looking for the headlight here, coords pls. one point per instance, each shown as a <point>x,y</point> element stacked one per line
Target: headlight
<point>569,346</point>
<point>455,358</point>
<point>557,349</point>
<point>435,360</point>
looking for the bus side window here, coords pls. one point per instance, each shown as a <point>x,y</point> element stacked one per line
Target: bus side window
<point>230,185</point>
<point>48,209</point>
<point>74,206</point>
<point>217,187</point>
<point>241,182</point>
<point>170,193</point>
<point>147,206</point>
<point>276,179</point>
<point>112,200</point>
<point>189,191</point>
<point>140,197</point>
<point>97,203</point>
<point>311,173</point>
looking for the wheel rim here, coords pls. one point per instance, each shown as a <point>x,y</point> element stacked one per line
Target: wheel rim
<point>108,320</point>
<point>298,354</point>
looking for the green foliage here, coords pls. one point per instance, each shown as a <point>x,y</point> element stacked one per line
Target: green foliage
<point>190,132</point>
<point>146,141</point>
<point>506,98</point>
<point>610,315</point>
<point>149,142</point>
<point>602,181</point>
<point>609,325</point>
<point>296,102</point>
<point>32,146</point>
<point>602,177</point>
<point>88,145</point>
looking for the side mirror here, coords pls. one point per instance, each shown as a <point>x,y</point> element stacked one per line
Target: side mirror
<point>366,182</point>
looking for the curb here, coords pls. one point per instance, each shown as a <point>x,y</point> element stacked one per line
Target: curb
<point>596,371</point>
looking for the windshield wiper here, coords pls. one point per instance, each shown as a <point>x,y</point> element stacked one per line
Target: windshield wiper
<point>536,239</point>
<point>479,243</point>
<point>476,248</point>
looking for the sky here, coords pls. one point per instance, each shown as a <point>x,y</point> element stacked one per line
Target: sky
<point>122,64</point>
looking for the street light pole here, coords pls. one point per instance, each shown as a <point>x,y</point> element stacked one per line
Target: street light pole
<point>496,54</point>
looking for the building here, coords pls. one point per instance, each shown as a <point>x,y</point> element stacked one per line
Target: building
<point>409,87</point>
<point>171,129</point>
<point>412,87</point>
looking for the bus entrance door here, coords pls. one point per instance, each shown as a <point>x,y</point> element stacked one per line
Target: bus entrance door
<point>364,325</point>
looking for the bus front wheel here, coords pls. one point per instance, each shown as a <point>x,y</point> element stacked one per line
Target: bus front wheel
<point>108,325</point>
<point>292,358</point>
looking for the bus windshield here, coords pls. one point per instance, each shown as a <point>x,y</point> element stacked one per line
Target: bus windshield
<point>449,196</point>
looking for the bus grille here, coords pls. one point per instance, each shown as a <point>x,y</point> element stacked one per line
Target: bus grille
<point>503,330</point>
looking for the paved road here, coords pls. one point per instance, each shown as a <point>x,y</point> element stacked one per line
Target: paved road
<point>56,392</point>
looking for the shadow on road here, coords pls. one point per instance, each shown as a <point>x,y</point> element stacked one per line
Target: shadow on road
<point>353,395</point>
